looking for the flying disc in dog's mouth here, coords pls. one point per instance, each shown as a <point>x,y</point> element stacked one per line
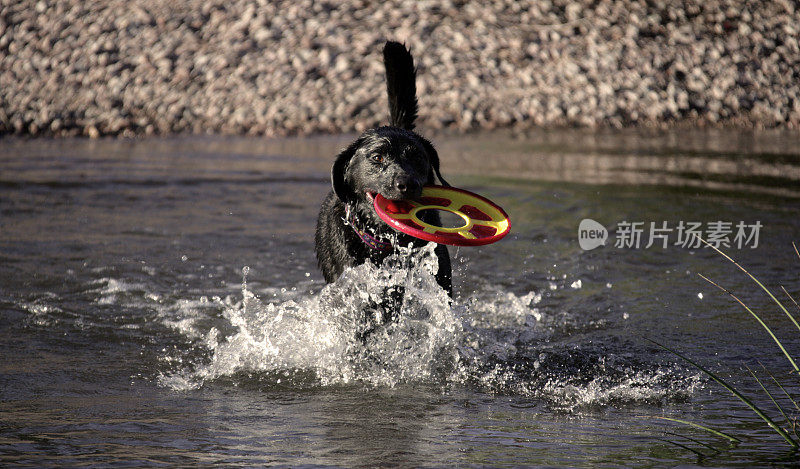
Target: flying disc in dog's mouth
<point>482,221</point>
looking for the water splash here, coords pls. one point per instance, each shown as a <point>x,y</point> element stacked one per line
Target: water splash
<point>338,334</point>
<point>492,340</point>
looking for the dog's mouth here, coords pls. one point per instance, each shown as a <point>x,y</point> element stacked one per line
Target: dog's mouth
<point>372,194</point>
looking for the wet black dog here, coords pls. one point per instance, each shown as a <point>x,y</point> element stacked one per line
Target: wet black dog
<point>393,161</point>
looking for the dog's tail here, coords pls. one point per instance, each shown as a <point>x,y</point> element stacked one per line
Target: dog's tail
<point>401,85</point>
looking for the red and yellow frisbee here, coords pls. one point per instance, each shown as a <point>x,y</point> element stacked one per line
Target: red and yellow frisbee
<point>483,221</point>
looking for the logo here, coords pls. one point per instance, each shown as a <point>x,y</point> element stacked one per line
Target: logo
<point>591,234</point>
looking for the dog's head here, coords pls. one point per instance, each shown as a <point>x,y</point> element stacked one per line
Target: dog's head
<point>390,161</point>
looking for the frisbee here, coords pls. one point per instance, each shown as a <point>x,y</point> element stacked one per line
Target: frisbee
<point>483,221</point>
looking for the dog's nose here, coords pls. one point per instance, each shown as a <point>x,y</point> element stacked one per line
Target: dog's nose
<point>406,185</point>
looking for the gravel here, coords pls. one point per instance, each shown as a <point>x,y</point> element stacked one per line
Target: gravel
<point>135,67</point>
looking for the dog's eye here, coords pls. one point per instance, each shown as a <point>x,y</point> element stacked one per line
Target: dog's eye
<point>378,158</point>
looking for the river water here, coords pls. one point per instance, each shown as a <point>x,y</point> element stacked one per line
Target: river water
<point>160,305</point>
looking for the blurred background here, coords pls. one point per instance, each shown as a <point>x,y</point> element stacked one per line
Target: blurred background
<point>272,68</point>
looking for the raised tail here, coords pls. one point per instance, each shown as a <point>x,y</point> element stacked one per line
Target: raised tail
<point>400,85</point>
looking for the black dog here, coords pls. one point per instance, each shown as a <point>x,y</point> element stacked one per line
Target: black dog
<point>393,161</point>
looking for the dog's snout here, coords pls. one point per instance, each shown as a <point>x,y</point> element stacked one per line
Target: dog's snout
<point>406,185</point>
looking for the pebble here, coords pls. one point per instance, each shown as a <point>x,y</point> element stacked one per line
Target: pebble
<point>141,67</point>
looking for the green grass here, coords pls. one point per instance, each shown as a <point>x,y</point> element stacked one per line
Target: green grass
<point>781,421</point>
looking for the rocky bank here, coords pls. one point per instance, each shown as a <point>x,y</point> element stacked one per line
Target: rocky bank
<point>131,67</point>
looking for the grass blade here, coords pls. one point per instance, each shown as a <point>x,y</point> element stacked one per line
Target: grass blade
<point>763,324</point>
<point>780,305</point>
<point>785,392</point>
<point>792,423</point>
<point>694,440</point>
<point>790,297</point>
<point>736,393</point>
<point>730,438</point>
<point>680,445</point>
<point>780,409</point>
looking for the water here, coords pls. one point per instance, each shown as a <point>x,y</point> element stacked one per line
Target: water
<point>160,305</point>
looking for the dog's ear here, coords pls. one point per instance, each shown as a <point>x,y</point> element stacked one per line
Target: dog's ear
<point>433,159</point>
<point>340,186</point>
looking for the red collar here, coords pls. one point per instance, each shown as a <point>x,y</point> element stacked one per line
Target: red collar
<point>368,239</point>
